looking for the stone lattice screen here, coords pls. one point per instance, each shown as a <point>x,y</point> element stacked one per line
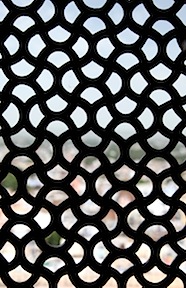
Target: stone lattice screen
<point>92,101</point>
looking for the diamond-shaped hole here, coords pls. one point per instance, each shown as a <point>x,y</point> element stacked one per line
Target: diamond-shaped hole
<point>136,153</point>
<point>156,232</point>
<point>57,173</point>
<point>22,68</point>
<point>112,152</point>
<point>69,81</point>
<point>103,117</point>
<point>94,25</point>
<point>21,207</point>
<point>7,115</point>
<point>145,185</point>
<point>178,220</point>
<point>105,47</point>
<point>91,139</point>
<point>181,13</point>
<point>127,60</point>
<point>22,162</point>
<point>150,49</point>
<point>114,83</point>
<point>35,115</point>
<point>125,173</point>
<point>4,11</point>
<point>8,251</point>
<point>91,94</point>
<point>58,58</point>
<point>160,96</point>
<point>45,80</point>
<point>173,49</point>
<point>125,105</point>
<point>154,271</point>
<point>12,44</point>
<point>127,36</point>
<point>46,11</point>
<point>140,14</point>
<point>77,252</point>
<point>169,187</point>
<point>100,252</point>
<point>59,34</point>
<point>20,230</point>
<point>69,150</point>
<point>90,163</point>
<point>158,208</point>
<point>81,47</point>
<point>167,254</point>
<point>116,14</point>
<point>23,92</point>
<point>45,151</point>
<point>10,183</point>
<point>125,130</point>
<point>102,185</point>
<point>122,241</point>
<point>121,265</point>
<point>158,141</point>
<point>123,198</point>
<point>143,253</point>
<point>162,26</point>
<point>23,23</point>
<point>56,197</point>
<point>88,231</point>
<point>32,252</point>
<point>179,152</point>
<point>171,119</point>
<point>88,275</point>
<point>110,220</point>
<point>79,185</point>
<point>138,83</point>
<point>89,208</point>
<point>57,127</point>
<point>68,219</point>
<point>135,219</point>
<point>4,79</point>
<point>71,12</point>
<point>3,218</point>
<point>146,118</point>
<point>158,165</point>
<point>36,45</point>
<point>182,267</point>
<point>34,184</point>
<point>182,243</point>
<point>180,85</point>
<point>54,239</point>
<point>19,274</point>
<point>53,264</point>
<point>160,72</point>
<point>79,117</point>
<point>92,70</point>
<point>43,218</point>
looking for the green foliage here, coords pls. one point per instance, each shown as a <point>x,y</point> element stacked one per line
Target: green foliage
<point>53,239</point>
<point>10,182</point>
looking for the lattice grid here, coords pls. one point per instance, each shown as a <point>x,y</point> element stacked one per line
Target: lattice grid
<point>93,174</point>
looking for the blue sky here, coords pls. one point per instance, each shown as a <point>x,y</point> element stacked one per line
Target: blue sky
<point>93,70</point>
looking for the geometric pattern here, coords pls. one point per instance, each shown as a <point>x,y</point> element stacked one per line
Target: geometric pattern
<point>92,132</point>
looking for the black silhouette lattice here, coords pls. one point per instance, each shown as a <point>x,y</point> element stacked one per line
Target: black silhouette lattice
<point>93,140</point>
